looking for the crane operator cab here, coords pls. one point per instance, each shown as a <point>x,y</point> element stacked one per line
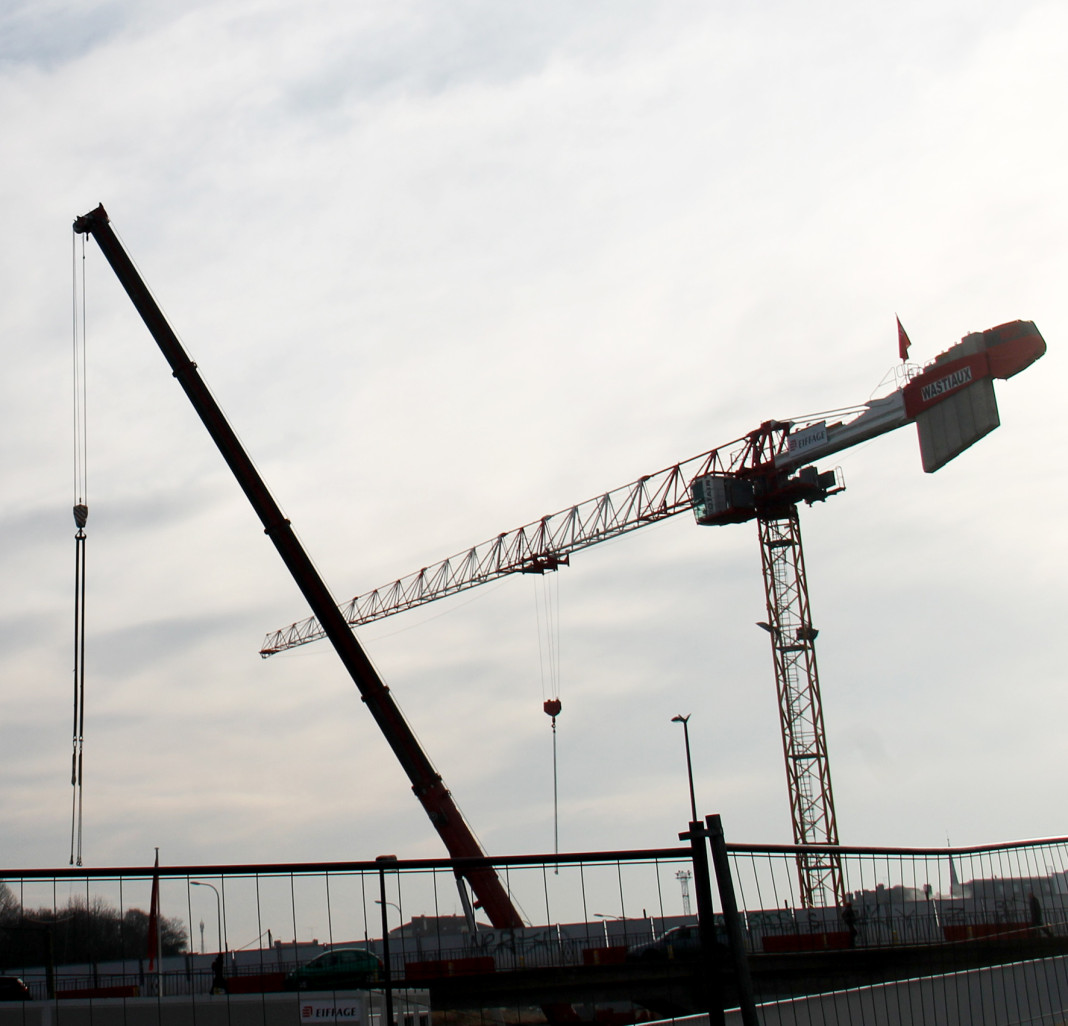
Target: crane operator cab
<point>728,499</point>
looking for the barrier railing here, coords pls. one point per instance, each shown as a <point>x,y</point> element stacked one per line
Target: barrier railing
<point>616,918</point>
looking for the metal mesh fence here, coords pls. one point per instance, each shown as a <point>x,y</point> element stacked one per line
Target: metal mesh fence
<point>923,935</point>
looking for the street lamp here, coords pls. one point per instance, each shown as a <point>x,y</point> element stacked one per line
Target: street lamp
<point>605,917</point>
<point>218,912</point>
<point>391,904</point>
<point>685,721</point>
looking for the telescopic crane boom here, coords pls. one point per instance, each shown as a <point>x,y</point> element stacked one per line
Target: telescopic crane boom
<point>763,476</point>
<point>427,784</point>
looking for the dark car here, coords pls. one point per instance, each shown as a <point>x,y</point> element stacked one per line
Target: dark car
<point>682,941</point>
<point>13,989</point>
<point>340,969</point>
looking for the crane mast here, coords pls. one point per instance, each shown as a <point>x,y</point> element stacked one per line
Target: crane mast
<point>763,476</point>
<point>426,782</point>
<point>797,687</point>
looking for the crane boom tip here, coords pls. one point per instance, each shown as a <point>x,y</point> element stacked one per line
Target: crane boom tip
<point>84,224</point>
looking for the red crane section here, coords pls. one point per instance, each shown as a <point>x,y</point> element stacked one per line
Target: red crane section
<point>426,782</point>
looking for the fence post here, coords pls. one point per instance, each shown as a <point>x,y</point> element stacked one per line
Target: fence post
<point>729,904</point>
<point>710,982</point>
<point>383,861</point>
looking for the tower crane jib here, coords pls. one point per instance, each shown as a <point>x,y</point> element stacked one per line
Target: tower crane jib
<point>763,476</point>
<point>768,455</point>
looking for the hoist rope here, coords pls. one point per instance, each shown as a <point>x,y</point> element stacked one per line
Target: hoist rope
<point>81,512</point>
<point>549,653</point>
<point>556,800</point>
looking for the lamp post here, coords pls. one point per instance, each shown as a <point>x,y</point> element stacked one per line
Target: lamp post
<point>685,721</point>
<point>218,912</point>
<point>604,917</point>
<point>392,904</point>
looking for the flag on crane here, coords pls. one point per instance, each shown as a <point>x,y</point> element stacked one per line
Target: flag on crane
<point>903,342</point>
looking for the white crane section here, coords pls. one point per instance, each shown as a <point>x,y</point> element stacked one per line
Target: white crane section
<point>810,438</point>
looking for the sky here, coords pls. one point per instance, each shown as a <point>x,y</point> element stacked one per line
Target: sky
<point>451,267</point>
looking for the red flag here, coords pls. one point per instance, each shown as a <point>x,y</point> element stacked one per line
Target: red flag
<point>153,918</point>
<point>903,342</point>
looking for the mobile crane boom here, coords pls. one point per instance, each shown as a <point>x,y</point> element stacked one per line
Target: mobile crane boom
<point>427,784</point>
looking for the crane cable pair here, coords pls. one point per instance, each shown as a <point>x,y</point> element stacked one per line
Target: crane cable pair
<point>81,513</point>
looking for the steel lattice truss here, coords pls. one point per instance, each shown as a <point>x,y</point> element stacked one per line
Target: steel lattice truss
<point>800,708</point>
<point>547,543</point>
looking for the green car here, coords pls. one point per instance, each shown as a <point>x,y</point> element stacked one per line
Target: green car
<point>340,969</point>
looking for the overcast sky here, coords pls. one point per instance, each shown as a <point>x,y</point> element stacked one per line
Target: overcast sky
<point>450,267</point>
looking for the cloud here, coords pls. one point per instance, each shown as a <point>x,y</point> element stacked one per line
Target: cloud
<point>448,270</point>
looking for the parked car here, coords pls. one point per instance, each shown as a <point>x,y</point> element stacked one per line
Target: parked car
<point>678,942</point>
<point>339,969</point>
<point>13,989</point>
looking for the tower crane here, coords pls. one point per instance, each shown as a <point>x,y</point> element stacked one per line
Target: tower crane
<point>762,476</point>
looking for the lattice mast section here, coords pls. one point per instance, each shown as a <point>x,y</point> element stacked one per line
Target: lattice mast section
<point>800,708</point>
